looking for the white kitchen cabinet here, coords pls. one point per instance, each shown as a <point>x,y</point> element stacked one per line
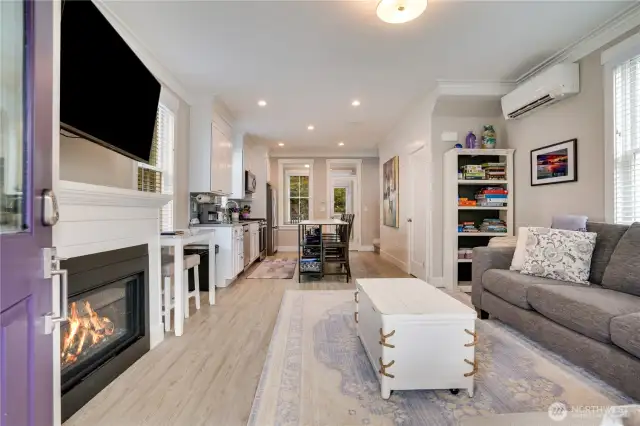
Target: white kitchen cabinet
<point>210,150</point>
<point>230,259</point>
<point>254,233</point>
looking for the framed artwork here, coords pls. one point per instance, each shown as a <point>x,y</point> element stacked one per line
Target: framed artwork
<point>391,193</point>
<point>557,163</point>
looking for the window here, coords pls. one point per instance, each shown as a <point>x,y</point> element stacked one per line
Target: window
<point>295,199</point>
<point>157,176</point>
<point>626,145</point>
<point>339,200</point>
<point>298,199</point>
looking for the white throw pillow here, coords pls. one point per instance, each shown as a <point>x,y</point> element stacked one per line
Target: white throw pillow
<point>559,254</point>
<point>518,255</point>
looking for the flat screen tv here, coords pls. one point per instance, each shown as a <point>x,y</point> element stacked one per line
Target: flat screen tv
<point>107,95</point>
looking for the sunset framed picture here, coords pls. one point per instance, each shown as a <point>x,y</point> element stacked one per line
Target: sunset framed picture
<point>557,163</point>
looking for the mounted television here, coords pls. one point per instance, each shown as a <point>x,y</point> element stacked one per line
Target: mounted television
<point>107,95</point>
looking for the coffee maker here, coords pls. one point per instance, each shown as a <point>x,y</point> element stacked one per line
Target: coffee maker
<point>210,213</point>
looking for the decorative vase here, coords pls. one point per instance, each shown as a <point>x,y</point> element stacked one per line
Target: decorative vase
<point>470,140</point>
<point>488,137</point>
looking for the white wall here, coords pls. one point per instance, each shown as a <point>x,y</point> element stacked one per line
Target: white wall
<point>84,161</point>
<point>411,133</point>
<point>461,125</point>
<point>581,117</point>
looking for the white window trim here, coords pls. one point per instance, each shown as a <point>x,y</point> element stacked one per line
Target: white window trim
<point>610,59</point>
<point>282,163</point>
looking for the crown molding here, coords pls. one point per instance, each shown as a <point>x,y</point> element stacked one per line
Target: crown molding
<point>155,66</point>
<point>605,33</point>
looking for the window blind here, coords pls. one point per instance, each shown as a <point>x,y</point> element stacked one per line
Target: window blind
<point>157,176</point>
<point>626,79</point>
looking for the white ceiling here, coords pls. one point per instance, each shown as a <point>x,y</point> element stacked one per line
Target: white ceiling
<point>310,59</point>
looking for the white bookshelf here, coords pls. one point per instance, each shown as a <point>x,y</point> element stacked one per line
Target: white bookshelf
<point>457,272</point>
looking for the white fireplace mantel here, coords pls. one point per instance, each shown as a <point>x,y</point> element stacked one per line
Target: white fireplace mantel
<point>95,219</point>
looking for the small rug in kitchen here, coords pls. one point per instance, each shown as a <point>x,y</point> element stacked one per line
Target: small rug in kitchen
<point>317,373</point>
<point>275,269</point>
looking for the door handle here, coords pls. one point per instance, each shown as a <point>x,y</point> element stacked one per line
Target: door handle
<point>50,213</point>
<point>409,220</point>
<point>52,269</point>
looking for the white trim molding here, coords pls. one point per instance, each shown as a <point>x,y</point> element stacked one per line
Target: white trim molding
<point>282,162</point>
<point>365,248</point>
<point>399,263</point>
<point>357,206</point>
<point>607,32</point>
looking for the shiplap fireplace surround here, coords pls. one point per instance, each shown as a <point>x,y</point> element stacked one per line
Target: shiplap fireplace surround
<point>95,219</point>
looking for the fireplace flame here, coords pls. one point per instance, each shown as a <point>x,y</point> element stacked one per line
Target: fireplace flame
<point>85,330</point>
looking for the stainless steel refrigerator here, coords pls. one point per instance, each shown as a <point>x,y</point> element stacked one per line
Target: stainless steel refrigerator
<point>272,220</point>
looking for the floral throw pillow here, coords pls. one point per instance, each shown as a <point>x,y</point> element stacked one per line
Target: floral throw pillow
<point>559,254</point>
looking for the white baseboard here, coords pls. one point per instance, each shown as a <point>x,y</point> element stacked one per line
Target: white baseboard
<point>156,335</point>
<point>399,263</point>
<point>366,248</point>
<point>436,281</point>
<point>288,248</point>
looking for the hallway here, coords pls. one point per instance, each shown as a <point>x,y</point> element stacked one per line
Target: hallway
<point>209,375</point>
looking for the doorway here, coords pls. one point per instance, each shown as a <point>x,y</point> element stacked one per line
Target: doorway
<point>344,194</point>
<point>418,219</point>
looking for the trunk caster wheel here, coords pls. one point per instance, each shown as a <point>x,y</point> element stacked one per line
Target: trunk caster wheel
<point>454,391</point>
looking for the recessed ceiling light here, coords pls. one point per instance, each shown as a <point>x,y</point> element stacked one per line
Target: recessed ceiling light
<point>262,103</point>
<point>281,144</point>
<point>340,143</point>
<point>306,165</point>
<point>310,127</point>
<point>400,11</point>
<point>355,103</point>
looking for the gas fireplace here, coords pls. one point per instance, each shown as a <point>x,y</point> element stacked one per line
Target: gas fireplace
<point>107,327</point>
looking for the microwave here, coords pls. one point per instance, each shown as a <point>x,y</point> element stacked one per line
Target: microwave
<point>250,183</point>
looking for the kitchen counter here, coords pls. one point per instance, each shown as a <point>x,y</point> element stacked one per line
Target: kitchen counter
<point>215,225</point>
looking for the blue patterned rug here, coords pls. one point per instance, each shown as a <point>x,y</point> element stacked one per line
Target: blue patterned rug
<point>317,373</point>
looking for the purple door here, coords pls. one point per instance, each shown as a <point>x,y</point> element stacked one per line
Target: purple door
<point>26,351</point>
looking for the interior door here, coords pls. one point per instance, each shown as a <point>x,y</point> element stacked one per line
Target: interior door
<point>417,220</point>
<point>26,350</point>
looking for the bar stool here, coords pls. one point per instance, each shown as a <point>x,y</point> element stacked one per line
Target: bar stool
<point>190,261</point>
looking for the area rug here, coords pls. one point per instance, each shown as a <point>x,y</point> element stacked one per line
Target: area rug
<point>317,373</point>
<point>275,269</point>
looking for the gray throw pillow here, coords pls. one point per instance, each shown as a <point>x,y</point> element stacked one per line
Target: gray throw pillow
<point>623,271</point>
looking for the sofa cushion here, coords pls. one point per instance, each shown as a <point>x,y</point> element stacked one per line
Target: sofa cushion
<point>625,333</point>
<point>623,270</point>
<point>606,242</point>
<point>586,310</point>
<point>512,285</point>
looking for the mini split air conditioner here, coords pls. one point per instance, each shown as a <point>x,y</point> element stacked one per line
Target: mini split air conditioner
<point>550,86</point>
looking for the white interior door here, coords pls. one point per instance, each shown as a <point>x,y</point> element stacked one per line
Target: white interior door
<point>417,220</point>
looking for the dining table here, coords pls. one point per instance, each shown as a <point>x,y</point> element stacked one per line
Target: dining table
<point>178,240</point>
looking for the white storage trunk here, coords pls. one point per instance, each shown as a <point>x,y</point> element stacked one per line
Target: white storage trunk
<point>416,336</point>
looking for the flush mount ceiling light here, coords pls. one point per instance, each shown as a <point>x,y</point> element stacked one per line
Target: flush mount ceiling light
<point>355,103</point>
<point>262,103</point>
<point>400,11</point>
<point>310,127</point>
<point>281,144</point>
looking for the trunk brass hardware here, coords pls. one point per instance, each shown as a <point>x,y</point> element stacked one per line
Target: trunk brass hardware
<point>475,367</point>
<point>383,368</point>
<point>383,339</point>
<point>355,316</point>
<point>475,338</point>
<point>355,296</point>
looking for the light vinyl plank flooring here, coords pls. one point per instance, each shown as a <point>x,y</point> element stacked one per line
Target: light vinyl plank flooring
<point>208,376</point>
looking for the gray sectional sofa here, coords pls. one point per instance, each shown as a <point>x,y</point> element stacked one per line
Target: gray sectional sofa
<point>596,327</point>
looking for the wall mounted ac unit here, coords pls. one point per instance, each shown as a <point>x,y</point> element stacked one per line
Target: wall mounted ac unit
<point>550,86</point>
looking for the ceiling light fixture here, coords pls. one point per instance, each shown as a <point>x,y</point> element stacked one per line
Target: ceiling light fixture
<point>340,143</point>
<point>400,11</point>
<point>281,144</point>
<point>355,103</point>
<point>262,103</point>
<point>310,127</point>
<point>306,165</point>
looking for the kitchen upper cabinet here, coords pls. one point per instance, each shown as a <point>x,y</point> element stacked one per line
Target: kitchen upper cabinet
<point>210,150</point>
